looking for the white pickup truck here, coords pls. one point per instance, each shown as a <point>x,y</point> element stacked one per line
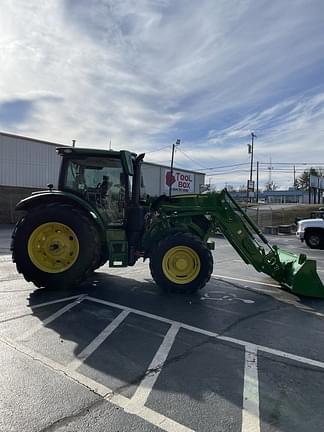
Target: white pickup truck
<point>312,231</point>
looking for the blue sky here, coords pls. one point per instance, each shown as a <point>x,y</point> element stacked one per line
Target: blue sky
<point>144,73</point>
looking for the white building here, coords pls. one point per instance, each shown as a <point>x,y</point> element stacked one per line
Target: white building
<point>28,164</point>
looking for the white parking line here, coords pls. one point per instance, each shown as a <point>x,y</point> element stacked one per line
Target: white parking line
<point>145,413</point>
<point>247,344</point>
<point>25,309</point>
<point>49,319</point>
<point>102,336</point>
<point>250,346</point>
<point>250,412</point>
<point>144,389</point>
<point>51,302</point>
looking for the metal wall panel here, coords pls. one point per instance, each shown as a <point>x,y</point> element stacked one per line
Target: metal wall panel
<point>31,163</point>
<point>151,176</point>
<point>27,163</point>
<point>199,181</point>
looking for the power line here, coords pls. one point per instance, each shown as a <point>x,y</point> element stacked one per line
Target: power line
<point>267,163</point>
<point>227,172</point>
<point>157,150</point>
<point>228,166</point>
<point>188,157</point>
<point>293,163</point>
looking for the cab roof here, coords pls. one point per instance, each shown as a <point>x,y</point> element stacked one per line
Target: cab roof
<point>90,152</point>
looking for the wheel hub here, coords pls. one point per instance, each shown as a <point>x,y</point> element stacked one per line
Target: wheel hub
<point>314,240</point>
<point>53,247</point>
<point>181,264</point>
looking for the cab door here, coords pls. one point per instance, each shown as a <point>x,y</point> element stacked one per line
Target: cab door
<point>102,182</point>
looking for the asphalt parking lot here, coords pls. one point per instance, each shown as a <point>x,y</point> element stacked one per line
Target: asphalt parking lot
<point>117,354</point>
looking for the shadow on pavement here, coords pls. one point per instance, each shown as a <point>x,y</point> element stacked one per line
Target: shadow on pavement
<point>198,367</point>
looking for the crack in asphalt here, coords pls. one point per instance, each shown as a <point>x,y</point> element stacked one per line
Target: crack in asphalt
<point>69,418</point>
<point>100,400</point>
<point>62,371</point>
<point>151,371</point>
<point>207,340</point>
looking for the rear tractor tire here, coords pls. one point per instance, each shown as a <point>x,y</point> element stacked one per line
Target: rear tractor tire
<point>56,246</point>
<point>181,263</point>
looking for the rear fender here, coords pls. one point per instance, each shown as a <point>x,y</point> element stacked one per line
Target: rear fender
<point>42,198</point>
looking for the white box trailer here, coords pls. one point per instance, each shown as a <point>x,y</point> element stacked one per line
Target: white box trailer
<point>157,180</point>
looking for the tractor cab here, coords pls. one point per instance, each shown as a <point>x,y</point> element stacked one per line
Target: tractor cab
<point>100,177</point>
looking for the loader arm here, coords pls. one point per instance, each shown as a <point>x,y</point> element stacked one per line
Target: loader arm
<point>292,271</point>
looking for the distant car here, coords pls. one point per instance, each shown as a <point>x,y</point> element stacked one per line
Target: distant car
<point>316,214</point>
<point>312,232</point>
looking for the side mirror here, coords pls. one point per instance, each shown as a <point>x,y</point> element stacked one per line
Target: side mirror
<point>127,162</point>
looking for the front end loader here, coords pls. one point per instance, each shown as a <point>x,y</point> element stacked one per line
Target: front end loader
<point>96,216</point>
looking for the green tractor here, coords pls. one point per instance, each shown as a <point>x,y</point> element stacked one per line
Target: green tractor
<point>97,215</point>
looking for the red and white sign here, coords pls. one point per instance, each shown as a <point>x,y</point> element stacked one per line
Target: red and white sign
<point>180,181</point>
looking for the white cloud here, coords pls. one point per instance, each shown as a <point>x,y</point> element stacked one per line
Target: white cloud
<point>142,73</point>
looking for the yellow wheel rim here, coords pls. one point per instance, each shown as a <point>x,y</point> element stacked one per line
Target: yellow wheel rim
<point>181,264</point>
<point>53,247</point>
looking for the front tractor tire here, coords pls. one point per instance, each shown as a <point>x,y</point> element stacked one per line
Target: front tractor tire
<point>55,246</point>
<point>181,263</point>
<point>314,238</point>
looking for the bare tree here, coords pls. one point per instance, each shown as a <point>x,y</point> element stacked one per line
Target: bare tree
<point>302,181</point>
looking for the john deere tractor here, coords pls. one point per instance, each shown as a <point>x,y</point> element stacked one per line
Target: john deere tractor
<point>96,215</point>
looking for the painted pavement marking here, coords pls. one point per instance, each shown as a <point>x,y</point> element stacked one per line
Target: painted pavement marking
<point>278,294</point>
<point>223,296</point>
<point>209,333</point>
<point>246,344</point>
<point>145,413</point>
<point>98,340</point>
<point>246,280</point>
<point>251,411</point>
<point>5,316</point>
<point>135,405</point>
<point>144,389</point>
<point>51,318</point>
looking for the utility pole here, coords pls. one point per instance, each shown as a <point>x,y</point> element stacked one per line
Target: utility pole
<point>73,143</point>
<point>251,151</point>
<point>309,188</point>
<point>294,176</point>
<point>171,167</point>
<point>257,183</point>
<point>252,143</point>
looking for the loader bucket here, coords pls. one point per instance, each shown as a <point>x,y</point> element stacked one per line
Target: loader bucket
<point>300,275</point>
